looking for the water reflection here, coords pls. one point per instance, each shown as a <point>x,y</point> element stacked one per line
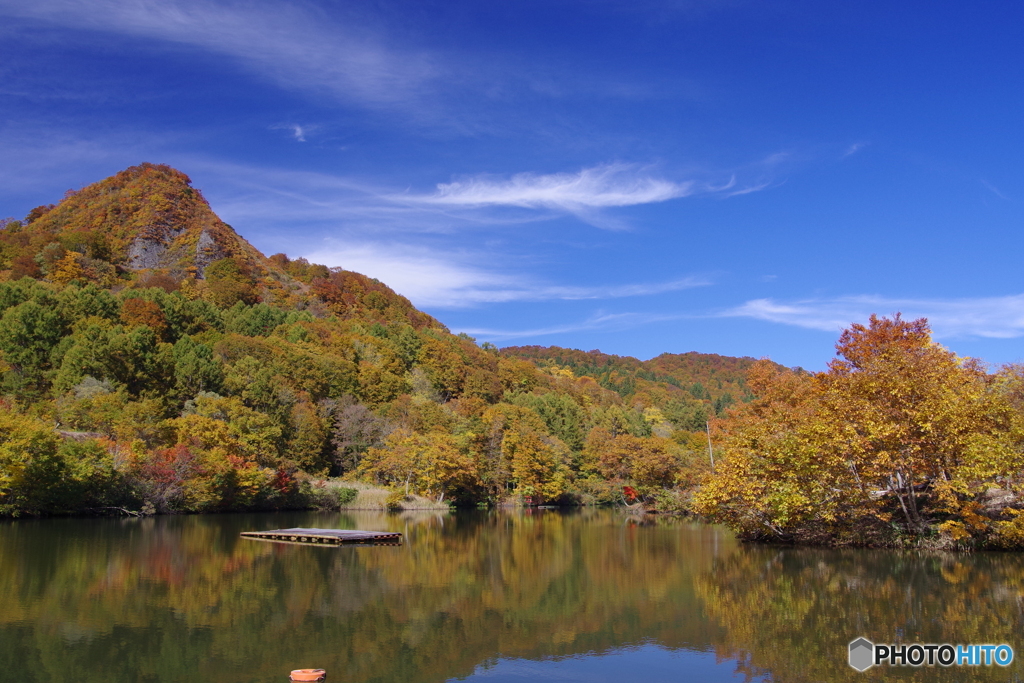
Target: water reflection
<point>647,663</point>
<point>795,608</point>
<point>495,596</point>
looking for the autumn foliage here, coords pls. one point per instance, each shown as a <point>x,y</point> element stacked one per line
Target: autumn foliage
<point>143,339</point>
<point>150,358</point>
<point>899,439</point>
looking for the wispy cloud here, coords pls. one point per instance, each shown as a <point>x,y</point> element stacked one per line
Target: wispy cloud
<point>598,321</point>
<point>597,187</point>
<point>589,195</point>
<point>854,148</point>
<point>999,317</point>
<point>584,194</point>
<point>290,44</point>
<point>432,278</point>
<point>298,132</point>
<point>989,317</point>
<point>356,53</point>
<point>748,189</point>
<point>994,190</point>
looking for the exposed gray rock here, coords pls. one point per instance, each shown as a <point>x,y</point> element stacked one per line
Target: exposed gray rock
<point>207,251</point>
<point>145,253</point>
<point>149,249</point>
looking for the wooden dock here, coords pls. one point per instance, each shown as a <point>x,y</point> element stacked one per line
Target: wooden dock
<point>326,536</point>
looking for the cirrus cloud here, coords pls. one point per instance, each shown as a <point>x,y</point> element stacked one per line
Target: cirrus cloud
<point>998,317</point>
<point>431,278</point>
<point>293,45</point>
<point>585,194</point>
<point>598,187</point>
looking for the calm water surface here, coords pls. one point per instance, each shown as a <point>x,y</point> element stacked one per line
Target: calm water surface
<point>485,597</point>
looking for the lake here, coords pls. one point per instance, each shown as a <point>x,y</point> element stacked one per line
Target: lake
<point>495,597</point>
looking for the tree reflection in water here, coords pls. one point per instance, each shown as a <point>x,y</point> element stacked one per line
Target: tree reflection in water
<point>186,599</point>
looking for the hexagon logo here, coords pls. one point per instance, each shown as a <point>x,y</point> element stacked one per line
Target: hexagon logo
<point>862,654</point>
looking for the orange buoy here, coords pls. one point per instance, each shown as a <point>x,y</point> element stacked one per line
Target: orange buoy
<point>308,675</point>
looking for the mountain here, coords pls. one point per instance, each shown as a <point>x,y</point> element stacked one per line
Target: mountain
<point>146,217</point>
<point>186,371</point>
<point>147,225</point>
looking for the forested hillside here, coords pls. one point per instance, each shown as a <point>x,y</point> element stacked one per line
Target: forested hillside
<point>153,359</point>
<point>689,388</point>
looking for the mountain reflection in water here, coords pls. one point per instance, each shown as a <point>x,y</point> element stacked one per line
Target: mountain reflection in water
<point>587,595</point>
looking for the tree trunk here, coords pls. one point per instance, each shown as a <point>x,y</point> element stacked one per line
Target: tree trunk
<point>918,525</point>
<point>897,489</point>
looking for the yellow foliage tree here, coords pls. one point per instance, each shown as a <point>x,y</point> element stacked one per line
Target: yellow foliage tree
<point>430,463</point>
<point>538,463</point>
<point>68,268</point>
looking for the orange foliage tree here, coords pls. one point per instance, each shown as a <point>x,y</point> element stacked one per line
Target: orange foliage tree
<point>898,430</point>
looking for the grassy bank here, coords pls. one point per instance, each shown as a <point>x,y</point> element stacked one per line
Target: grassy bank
<point>372,497</point>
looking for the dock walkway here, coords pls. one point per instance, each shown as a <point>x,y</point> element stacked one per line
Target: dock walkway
<point>326,536</point>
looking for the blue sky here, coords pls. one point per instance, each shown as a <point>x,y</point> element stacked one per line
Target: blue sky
<point>744,178</point>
